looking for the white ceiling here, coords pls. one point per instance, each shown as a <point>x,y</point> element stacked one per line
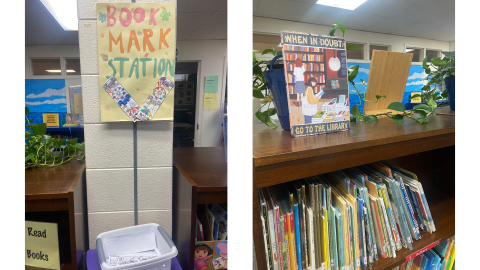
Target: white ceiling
<point>429,19</point>
<point>196,20</point>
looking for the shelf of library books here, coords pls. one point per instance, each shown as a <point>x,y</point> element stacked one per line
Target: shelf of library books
<point>427,150</point>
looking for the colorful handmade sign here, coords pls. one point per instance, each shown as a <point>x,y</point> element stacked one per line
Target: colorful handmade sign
<point>136,53</point>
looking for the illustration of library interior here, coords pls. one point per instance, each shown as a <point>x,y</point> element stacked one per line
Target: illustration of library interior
<point>354,134</point>
<point>125,145</point>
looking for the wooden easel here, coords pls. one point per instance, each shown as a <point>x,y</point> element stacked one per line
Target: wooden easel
<point>388,76</point>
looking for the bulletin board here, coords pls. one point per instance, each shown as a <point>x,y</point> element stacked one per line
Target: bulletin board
<point>136,56</point>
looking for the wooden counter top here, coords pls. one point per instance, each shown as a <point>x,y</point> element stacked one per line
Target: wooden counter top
<point>204,167</point>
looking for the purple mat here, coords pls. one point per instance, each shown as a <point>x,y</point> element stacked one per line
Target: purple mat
<point>94,264</point>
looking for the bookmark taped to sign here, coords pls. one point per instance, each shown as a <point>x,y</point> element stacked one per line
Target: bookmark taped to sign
<point>122,97</point>
<point>153,102</point>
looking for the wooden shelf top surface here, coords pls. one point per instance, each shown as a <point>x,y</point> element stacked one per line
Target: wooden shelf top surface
<point>275,145</point>
<point>442,208</point>
<point>53,182</point>
<point>204,167</point>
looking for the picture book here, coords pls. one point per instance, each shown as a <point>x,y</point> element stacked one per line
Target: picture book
<point>317,84</point>
<point>278,229</point>
<point>266,236</point>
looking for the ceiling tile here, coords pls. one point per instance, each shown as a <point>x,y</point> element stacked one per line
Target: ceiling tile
<point>444,19</point>
<point>200,6</point>
<point>417,30</point>
<point>419,13</point>
<point>325,15</point>
<point>255,5</point>
<point>390,26</point>
<point>202,34</point>
<point>192,20</point>
<point>183,34</point>
<point>217,21</point>
<point>443,34</point>
<point>444,4</point>
<point>385,8</point>
<point>286,9</point>
<point>361,21</point>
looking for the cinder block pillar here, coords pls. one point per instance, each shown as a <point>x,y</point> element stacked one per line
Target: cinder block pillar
<point>109,150</point>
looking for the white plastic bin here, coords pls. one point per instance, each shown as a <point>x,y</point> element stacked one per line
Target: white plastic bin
<point>147,239</point>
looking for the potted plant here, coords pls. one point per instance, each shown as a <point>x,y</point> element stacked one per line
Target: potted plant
<point>440,70</point>
<point>43,150</point>
<point>260,89</point>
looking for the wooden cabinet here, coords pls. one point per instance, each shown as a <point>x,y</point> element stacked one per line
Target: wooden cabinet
<point>427,150</point>
<point>57,195</point>
<point>199,178</point>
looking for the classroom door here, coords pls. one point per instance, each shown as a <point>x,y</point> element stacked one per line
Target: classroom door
<point>184,116</point>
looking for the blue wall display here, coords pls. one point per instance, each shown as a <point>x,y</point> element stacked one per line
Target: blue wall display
<point>414,82</point>
<point>45,96</point>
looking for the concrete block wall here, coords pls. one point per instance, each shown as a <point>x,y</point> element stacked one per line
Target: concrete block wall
<point>109,150</point>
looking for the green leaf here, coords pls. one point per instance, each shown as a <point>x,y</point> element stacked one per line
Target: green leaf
<point>449,54</point>
<point>432,103</point>
<point>268,120</point>
<point>260,116</point>
<point>271,50</point>
<point>27,110</point>
<point>352,73</point>
<point>397,106</point>
<point>436,61</point>
<point>29,156</point>
<point>371,118</point>
<point>39,129</point>
<point>422,107</point>
<point>422,113</point>
<point>379,97</point>
<point>351,47</point>
<point>445,94</point>
<point>279,52</point>
<point>257,93</point>
<point>414,96</point>
<point>57,143</point>
<point>424,64</point>
<point>46,140</point>
<point>72,141</point>
<point>80,146</point>
<point>398,119</point>
<point>28,136</point>
<point>332,30</point>
<point>271,111</point>
<point>355,111</point>
<point>342,28</point>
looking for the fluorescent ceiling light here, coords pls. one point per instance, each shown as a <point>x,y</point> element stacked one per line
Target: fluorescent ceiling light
<point>410,50</point>
<point>345,4</point>
<point>58,70</point>
<point>64,11</point>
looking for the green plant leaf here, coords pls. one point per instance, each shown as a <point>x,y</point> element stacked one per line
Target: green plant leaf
<point>257,93</point>
<point>424,64</point>
<point>332,30</point>
<point>449,54</point>
<point>46,140</point>
<point>27,110</point>
<point>398,119</point>
<point>271,111</point>
<point>445,94</point>
<point>342,28</point>
<point>72,141</point>
<point>422,113</point>
<point>436,61</point>
<point>371,118</point>
<point>268,120</point>
<point>397,106</point>
<point>80,146</point>
<point>352,73</point>
<point>279,52</point>
<point>39,129</point>
<point>379,97</point>
<point>260,116</point>
<point>414,96</point>
<point>351,46</point>
<point>271,50</point>
<point>355,111</point>
<point>28,136</point>
<point>29,156</point>
<point>422,107</point>
<point>432,103</point>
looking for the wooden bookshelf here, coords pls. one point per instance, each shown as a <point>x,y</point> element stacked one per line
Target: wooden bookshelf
<point>427,150</point>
